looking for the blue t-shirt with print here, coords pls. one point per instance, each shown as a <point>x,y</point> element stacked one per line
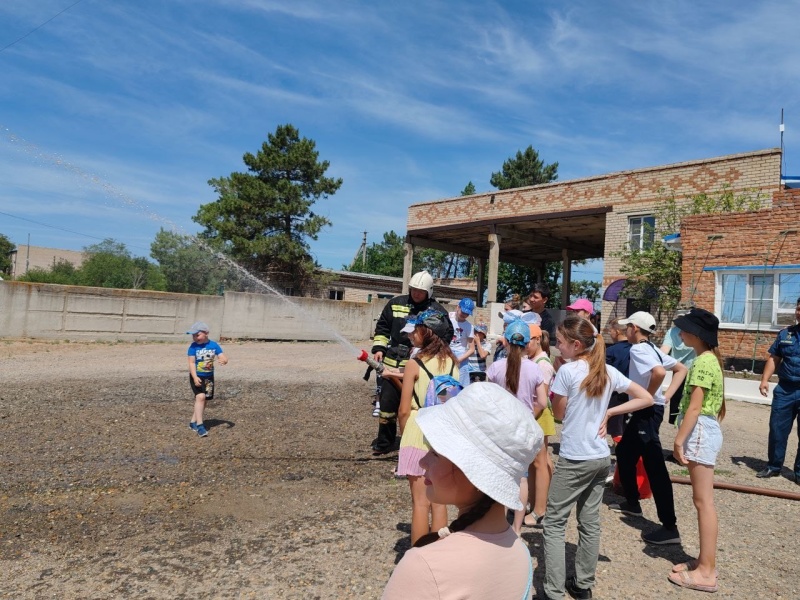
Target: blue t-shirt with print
<point>204,356</point>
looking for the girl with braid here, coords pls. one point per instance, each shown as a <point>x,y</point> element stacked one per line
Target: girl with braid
<point>482,441</point>
<point>580,395</point>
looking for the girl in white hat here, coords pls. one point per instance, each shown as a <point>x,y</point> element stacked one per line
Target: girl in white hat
<point>482,441</point>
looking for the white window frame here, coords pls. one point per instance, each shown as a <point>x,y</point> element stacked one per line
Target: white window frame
<point>638,222</point>
<point>786,313</point>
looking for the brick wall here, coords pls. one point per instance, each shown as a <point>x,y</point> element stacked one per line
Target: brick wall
<point>749,239</point>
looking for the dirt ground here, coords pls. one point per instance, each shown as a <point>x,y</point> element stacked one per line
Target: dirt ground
<point>105,492</point>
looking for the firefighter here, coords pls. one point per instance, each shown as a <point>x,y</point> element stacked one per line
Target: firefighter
<point>391,346</point>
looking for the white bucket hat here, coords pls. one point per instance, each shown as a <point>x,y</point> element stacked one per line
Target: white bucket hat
<point>487,433</point>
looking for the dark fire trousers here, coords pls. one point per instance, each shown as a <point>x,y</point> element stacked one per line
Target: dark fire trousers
<point>387,420</point>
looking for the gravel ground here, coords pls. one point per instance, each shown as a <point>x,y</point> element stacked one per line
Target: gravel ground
<point>105,492</point>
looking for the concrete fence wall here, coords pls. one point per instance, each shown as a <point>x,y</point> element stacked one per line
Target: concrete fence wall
<point>44,311</point>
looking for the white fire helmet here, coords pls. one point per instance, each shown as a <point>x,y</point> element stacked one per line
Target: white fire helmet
<point>422,281</point>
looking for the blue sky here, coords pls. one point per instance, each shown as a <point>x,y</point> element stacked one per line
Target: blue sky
<point>114,115</point>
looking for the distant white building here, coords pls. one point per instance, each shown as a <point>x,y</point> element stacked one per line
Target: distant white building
<point>30,257</point>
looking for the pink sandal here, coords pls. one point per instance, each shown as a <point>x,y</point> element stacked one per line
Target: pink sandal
<point>685,579</point>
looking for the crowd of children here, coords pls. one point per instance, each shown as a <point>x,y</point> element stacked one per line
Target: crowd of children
<point>483,445</point>
<point>593,391</point>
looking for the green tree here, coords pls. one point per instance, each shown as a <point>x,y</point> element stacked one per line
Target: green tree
<point>6,248</point>
<point>384,258</point>
<point>654,273</point>
<point>189,266</point>
<point>109,264</point>
<point>584,288</point>
<point>264,216</point>
<point>61,273</point>
<point>468,190</point>
<point>523,170</point>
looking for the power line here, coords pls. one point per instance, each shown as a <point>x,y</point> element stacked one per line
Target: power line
<point>51,226</point>
<point>94,237</point>
<point>6,47</point>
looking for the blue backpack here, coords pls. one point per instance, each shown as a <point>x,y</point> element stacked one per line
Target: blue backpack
<point>440,389</point>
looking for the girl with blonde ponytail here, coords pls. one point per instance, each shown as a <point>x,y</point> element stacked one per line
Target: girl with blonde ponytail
<point>581,393</point>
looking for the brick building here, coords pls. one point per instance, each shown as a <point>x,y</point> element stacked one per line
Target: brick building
<point>745,267</point>
<point>592,217</point>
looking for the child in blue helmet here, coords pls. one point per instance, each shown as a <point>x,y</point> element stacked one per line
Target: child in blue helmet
<point>525,380</point>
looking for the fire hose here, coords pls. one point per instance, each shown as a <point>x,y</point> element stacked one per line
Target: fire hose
<point>746,489</point>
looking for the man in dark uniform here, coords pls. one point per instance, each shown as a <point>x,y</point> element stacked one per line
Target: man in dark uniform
<point>391,346</point>
<point>537,300</point>
<point>784,356</point>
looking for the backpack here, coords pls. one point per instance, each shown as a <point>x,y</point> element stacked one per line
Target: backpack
<point>440,389</point>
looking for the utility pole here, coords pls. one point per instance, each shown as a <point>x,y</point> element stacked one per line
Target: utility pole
<point>364,252</point>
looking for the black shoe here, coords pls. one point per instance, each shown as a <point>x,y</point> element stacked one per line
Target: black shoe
<point>662,537</point>
<point>573,590</point>
<point>767,473</point>
<point>797,478</point>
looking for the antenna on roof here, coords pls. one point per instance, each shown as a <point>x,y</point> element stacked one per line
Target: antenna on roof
<point>783,155</point>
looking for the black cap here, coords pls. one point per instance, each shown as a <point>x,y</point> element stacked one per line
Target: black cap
<point>701,323</point>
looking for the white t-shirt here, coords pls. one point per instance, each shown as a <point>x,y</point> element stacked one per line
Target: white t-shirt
<point>644,358</point>
<point>530,376</point>
<point>582,419</point>
<point>462,333</point>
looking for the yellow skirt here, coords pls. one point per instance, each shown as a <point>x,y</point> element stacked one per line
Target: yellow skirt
<point>547,422</point>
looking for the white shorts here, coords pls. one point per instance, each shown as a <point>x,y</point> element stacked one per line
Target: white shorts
<point>704,442</point>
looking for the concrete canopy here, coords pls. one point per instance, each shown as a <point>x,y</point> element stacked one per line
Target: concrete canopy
<point>528,240</point>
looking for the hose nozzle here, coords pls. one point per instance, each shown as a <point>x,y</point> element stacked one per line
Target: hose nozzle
<point>364,357</point>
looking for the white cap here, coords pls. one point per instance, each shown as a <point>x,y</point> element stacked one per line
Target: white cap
<point>643,320</point>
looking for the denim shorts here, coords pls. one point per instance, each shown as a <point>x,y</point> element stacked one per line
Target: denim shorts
<point>704,442</point>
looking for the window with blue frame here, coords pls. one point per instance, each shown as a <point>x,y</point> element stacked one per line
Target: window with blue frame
<point>764,298</point>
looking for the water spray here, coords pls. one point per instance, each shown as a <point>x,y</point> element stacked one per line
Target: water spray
<point>364,357</point>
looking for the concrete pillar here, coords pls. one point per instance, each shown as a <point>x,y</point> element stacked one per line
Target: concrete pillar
<point>566,277</point>
<point>494,263</point>
<point>408,262</point>
<point>481,285</point>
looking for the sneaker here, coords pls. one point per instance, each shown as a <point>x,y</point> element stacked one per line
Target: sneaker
<point>193,426</point>
<point>573,590</point>
<point>201,430</point>
<point>767,473</point>
<point>634,510</point>
<point>376,412</point>
<point>662,537</point>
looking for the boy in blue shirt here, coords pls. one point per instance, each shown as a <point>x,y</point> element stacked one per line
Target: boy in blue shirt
<point>202,354</point>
